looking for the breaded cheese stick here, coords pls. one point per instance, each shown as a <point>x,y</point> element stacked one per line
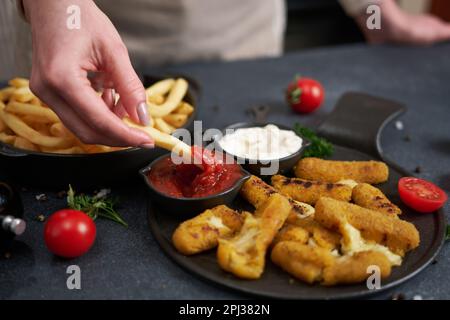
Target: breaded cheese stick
<point>319,235</point>
<point>256,192</point>
<point>314,264</point>
<point>202,232</point>
<point>291,232</point>
<point>353,269</point>
<point>244,254</point>
<point>302,261</point>
<point>332,171</point>
<point>398,235</point>
<point>370,197</point>
<point>310,191</point>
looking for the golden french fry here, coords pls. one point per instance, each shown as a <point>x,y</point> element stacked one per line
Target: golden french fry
<point>7,138</point>
<point>35,100</point>
<point>22,129</point>
<point>175,119</point>
<point>71,150</point>
<point>163,126</point>
<point>160,88</point>
<point>184,108</point>
<point>26,109</point>
<point>164,140</point>
<point>6,93</point>
<point>19,82</point>
<point>59,130</point>
<point>173,99</point>
<point>156,99</point>
<point>22,94</point>
<point>23,143</point>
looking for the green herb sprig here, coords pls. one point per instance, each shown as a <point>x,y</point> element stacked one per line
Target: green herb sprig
<point>96,206</point>
<point>319,147</point>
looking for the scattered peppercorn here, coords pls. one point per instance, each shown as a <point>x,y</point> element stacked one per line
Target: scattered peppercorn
<point>407,138</point>
<point>418,169</point>
<point>40,218</point>
<point>61,194</point>
<point>7,255</point>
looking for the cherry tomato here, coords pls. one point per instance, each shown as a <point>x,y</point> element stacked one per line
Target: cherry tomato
<point>305,95</point>
<point>421,195</point>
<point>69,233</point>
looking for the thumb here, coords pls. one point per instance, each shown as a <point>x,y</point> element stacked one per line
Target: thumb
<point>129,86</point>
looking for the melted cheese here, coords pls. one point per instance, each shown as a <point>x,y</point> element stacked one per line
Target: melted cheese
<point>216,222</point>
<point>308,210</point>
<point>353,243</point>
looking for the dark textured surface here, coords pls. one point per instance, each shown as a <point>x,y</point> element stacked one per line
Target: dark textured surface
<point>127,263</point>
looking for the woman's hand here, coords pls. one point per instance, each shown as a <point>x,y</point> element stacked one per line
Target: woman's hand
<point>398,26</point>
<point>62,58</point>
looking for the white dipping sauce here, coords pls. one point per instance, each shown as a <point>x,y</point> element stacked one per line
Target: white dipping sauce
<point>261,143</point>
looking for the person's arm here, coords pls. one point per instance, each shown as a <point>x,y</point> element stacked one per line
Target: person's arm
<point>62,58</point>
<point>397,26</point>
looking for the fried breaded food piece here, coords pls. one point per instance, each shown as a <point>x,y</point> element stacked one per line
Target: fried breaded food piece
<point>202,232</point>
<point>256,192</point>
<point>304,262</point>
<point>354,268</point>
<point>310,191</point>
<point>398,235</point>
<point>370,197</point>
<point>291,232</point>
<point>321,236</point>
<point>332,171</point>
<point>314,264</point>
<point>244,254</point>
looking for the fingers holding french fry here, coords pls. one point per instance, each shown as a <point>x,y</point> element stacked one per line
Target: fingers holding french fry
<point>35,126</point>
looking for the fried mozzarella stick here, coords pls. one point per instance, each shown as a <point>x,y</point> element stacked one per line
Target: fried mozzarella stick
<point>310,191</point>
<point>398,235</point>
<point>202,232</point>
<point>244,254</point>
<point>314,264</point>
<point>370,197</point>
<point>332,171</point>
<point>256,192</point>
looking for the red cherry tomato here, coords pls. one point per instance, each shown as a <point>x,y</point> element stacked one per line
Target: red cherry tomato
<point>305,95</point>
<point>69,233</point>
<point>421,195</point>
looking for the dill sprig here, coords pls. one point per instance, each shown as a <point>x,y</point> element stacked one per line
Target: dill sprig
<point>95,206</point>
<point>319,147</point>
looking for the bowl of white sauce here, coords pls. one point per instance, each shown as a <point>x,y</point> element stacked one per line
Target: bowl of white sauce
<point>263,149</point>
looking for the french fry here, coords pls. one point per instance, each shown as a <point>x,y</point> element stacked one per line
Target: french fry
<point>163,126</point>
<point>156,99</point>
<point>26,109</point>
<point>22,94</point>
<point>7,138</point>
<point>22,129</point>
<point>59,130</point>
<point>71,150</point>
<point>160,88</point>
<point>6,93</point>
<point>184,108</point>
<point>175,119</point>
<point>19,82</point>
<point>164,140</point>
<point>23,143</point>
<point>173,99</point>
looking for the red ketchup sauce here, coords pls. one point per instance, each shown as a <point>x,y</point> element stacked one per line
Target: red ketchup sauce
<point>188,180</point>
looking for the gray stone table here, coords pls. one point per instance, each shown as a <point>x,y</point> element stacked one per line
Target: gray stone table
<point>128,263</point>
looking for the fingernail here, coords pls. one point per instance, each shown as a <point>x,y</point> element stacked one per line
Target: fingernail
<point>148,145</point>
<point>143,114</point>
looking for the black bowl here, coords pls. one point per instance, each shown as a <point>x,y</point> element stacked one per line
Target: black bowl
<point>30,168</point>
<point>285,164</point>
<point>189,207</point>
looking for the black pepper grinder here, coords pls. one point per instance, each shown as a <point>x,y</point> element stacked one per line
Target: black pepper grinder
<point>11,213</point>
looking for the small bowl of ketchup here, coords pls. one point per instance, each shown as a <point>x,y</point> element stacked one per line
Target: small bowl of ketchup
<point>188,188</point>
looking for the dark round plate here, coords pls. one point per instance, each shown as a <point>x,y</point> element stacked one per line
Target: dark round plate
<point>276,283</point>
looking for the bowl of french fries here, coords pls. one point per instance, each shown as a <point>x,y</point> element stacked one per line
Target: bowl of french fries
<point>36,147</point>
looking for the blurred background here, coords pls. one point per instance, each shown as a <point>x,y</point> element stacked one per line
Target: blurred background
<point>310,23</point>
